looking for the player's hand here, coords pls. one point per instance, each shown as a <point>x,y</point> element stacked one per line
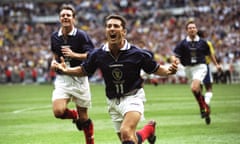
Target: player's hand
<point>53,65</point>
<point>59,66</point>
<point>219,68</point>
<point>173,68</point>
<point>67,52</point>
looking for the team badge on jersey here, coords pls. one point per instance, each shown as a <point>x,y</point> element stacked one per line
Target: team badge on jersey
<point>117,74</point>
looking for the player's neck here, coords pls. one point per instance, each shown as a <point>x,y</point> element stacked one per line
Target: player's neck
<point>192,37</point>
<point>114,48</point>
<point>66,30</point>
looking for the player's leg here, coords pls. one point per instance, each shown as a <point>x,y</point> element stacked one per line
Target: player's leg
<point>148,132</point>
<point>208,94</point>
<point>133,107</point>
<point>204,108</point>
<point>128,130</point>
<point>60,99</point>
<point>82,98</point>
<point>196,90</point>
<point>85,124</point>
<point>208,80</point>
<point>126,112</point>
<point>198,74</point>
<point>128,127</point>
<point>61,111</point>
<point>193,77</point>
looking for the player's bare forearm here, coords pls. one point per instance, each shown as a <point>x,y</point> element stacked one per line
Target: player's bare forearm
<point>81,56</point>
<point>74,71</point>
<point>162,71</point>
<point>67,52</point>
<point>213,58</point>
<point>165,71</point>
<point>52,66</point>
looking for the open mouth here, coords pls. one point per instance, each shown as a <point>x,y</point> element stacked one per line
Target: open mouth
<point>65,21</point>
<point>113,36</point>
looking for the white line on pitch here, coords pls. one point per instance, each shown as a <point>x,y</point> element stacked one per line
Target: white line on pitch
<point>31,108</point>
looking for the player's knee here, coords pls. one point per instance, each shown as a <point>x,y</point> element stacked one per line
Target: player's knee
<point>196,89</point>
<point>86,124</point>
<point>125,133</point>
<point>83,117</point>
<point>59,113</point>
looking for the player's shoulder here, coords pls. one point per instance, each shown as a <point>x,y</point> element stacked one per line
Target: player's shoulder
<point>55,33</point>
<point>98,51</point>
<point>141,51</point>
<point>81,32</point>
<point>135,49</point>
<point>203,40</point>
<point>182,42</point>
<point>148,52</point>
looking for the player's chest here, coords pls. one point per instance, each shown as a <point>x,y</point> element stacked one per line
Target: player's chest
<point>123,63</point>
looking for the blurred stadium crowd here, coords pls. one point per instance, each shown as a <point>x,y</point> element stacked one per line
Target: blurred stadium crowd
<point>26,26</point>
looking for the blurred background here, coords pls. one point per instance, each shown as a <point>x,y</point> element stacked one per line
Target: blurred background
<point>158,25</point>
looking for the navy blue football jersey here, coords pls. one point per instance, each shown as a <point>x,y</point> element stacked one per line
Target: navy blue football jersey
<point>192,52</point>
<point>78,40</point>
<point>121,74</point>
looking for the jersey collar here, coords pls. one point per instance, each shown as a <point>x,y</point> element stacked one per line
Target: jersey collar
<point>125,47</point>
<point>197,38</point>
<point>72,33</point>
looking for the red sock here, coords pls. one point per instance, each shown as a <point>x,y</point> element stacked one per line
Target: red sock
<point>88,132</point>
<point>145,132</point>
<point>70,114</point>
<point>200,100</point>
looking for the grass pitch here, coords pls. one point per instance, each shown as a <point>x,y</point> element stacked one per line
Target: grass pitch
<point>26,116</point>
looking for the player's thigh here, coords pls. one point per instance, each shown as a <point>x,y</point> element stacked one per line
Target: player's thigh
<point>131,120</point>
<point>60,98</point>
<point>59,105</point>
<point>81,92</point>
<point>199,72</point>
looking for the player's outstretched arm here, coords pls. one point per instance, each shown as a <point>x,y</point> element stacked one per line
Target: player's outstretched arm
<point>73,71</point>
<point>214,60</point>
<point>164,70</point>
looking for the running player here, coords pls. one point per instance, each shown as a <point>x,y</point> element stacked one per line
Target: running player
<point>73,44</point>
<point>191,52</point>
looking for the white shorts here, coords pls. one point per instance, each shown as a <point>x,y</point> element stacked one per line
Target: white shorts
<point>198,72</point>
<point>75,88</point>
<point>117,108</point>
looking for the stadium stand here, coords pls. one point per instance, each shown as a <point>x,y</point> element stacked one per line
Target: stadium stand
<point>25,28</point>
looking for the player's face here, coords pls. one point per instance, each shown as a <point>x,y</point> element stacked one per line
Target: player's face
<point>66,18</point>
<point>114,32</point>
<point>192,30</point>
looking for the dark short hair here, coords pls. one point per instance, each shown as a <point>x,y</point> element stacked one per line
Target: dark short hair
<point>119,17</point>
<point>189,22</point>
<point>68,7</point>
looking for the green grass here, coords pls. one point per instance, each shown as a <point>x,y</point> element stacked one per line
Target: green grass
<point>26,116</point>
